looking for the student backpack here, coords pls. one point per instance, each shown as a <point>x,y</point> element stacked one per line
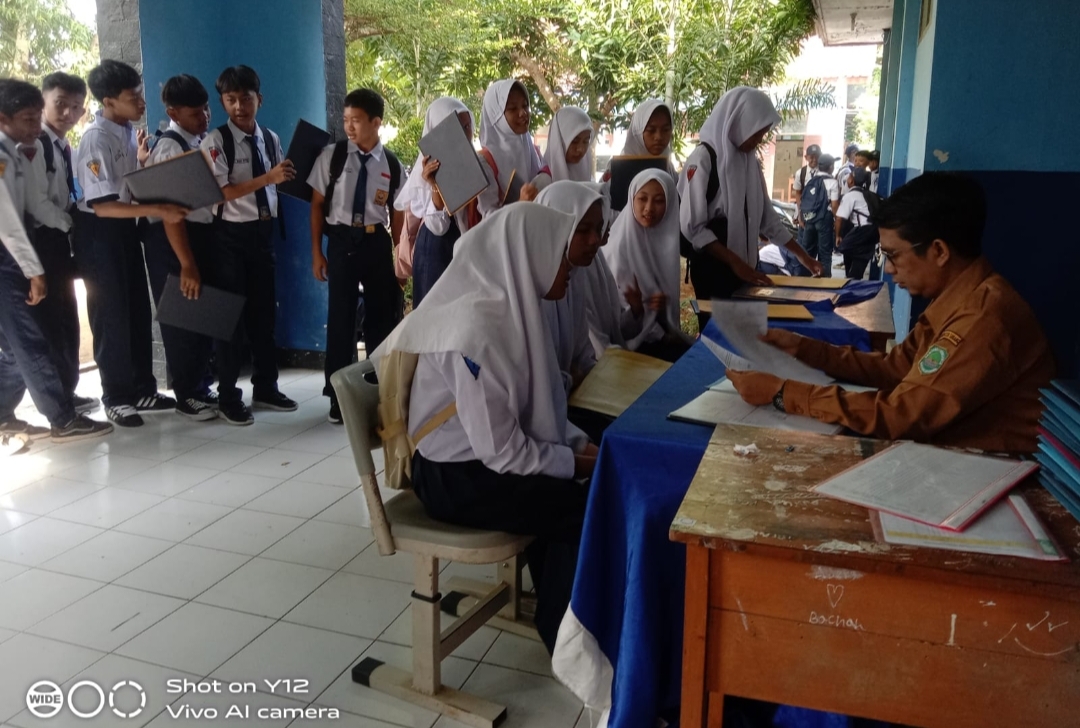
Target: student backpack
<point>865,237</point>
<point>815,198</point>
<point>337,165</point>
<point>184,146</point>
<point>228,147</point>
<point>48,151</point>
<point>686,248</point>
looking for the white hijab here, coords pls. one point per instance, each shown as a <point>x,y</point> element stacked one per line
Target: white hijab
<point>487,307</point>
<point>566,317</point>
<point>567,123</point>
<point>509,150</point>
<point>603,303</point>
<point>649,255</point>
<point>415,194</point>
<point>635,142</point>
<point>737,116</point>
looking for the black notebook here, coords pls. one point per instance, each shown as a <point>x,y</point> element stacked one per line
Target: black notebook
<point>215,313</point>
<point>623,171</point>
<point>307,144</point>
<point>184,180</point>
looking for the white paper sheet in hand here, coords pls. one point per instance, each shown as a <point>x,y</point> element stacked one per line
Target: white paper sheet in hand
<point>742,323</point>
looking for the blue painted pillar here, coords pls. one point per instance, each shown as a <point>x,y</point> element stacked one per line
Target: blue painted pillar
<point>297,48</point>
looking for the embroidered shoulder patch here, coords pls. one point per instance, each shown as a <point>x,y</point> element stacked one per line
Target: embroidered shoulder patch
<point>214,154</point>
<point>94,165</point>
<point>474,368</point>
<point>690,172</point>
<point>3,168</point>
<point>933,360</point>
<point>952,337</point>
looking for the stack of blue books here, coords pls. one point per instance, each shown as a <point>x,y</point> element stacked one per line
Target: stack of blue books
<point>1059,443</point>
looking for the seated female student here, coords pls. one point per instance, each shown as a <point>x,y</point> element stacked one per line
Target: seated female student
<point>645,261</point>
<point>507,146</point>
<point>566,317</point>
<point>609,323</point>
<point>567,156</point>
<point>724,230</point>
<point>503,460</point>
<point>434,246</point>
<point>649,134</point>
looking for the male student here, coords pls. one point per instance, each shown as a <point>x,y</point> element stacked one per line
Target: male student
<point>58,314</point>
<point>249,164</point>
<point>107,248</point>
<point>969,373</point>
<point>802,177</point>
<point>818,203</point>
<point>181,249</point>
<point>353,203</point>
<point>26,358</point>
<point>848,164</point>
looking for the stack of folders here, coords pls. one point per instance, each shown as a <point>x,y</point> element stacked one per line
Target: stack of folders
<point>1059,443</point>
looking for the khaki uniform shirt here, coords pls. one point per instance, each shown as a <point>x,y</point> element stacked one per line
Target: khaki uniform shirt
<point>968,375</point>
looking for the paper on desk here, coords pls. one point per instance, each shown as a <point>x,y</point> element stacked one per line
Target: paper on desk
<point>743,323</point>
<point>939,487</point>
<point>723,384</point>
<point>713,408</point>
<point>1010,528</point>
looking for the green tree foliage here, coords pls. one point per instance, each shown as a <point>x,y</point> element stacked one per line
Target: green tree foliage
<point>38,37</point>
<point>605,56</point>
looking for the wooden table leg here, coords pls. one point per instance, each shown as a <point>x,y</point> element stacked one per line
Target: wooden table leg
<point>694,693</point>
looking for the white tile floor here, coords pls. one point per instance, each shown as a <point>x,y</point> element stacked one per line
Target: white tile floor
<point>200,551</point>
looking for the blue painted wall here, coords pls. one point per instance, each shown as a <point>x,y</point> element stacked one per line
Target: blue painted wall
<point>283,41</point>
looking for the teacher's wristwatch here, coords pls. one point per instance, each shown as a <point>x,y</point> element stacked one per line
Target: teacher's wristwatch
<point>778,399</point>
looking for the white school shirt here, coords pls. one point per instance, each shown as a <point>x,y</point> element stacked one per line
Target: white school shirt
<point>695,214</point>
<point>243,209</point>
<point>165,149</point>
<point>378,185</point>
<point>483,429</point>
<point>489,200</point>
<point>13,208</point>
<point>873,181</point>
<point>36,189</point>
<point>805,172</point>
<point>106,153</point>
<point>58,191</point>
<point>832,187</point>
<point>854,201</point>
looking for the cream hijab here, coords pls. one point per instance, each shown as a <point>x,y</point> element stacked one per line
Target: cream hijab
<point>415,194</point>
<point>635,142</point>
<point>738,115</point>
<point>509,150</point>
<point>487,306</point>
<point>567,123</point>
<point>649,257</point>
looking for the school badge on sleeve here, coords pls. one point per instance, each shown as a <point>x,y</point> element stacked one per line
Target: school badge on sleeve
<point>933,360</point>
<point>94,165</point>
<point>3,168</point>
<point>214,154</point>
<point>690,172</point>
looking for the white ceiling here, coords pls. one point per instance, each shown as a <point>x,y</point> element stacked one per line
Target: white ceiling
<point>834,22</point>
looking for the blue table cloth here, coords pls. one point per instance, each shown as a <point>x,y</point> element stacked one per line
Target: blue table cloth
<point>620,645</point>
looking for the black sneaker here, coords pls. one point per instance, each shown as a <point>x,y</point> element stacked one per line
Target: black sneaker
<point>15,426</point>
<point>210,398</point>
<point>155,403</point>
<point>83,428</point>
<point>124,415</point>
<point>235,413</point>
<point>85,405</point>
<point>335,413</point>
<point>195,409</point>
<point>275,401</point>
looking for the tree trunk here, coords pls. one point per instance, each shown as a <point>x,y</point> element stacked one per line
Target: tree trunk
<point>532,67</point>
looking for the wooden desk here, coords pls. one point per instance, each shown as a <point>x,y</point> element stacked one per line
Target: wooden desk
<point>790,599</point>
<point>875,316</point>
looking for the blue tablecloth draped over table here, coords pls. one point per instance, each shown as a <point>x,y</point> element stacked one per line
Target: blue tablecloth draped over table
<point>629,588</point>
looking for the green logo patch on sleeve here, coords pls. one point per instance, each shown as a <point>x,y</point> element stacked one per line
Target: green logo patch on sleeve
<point>933,360</point>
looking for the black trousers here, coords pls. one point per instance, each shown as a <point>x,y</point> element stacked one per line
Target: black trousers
<point>58,314</point>
<point>552,510</point>
<point>110,258</point>
<point>356,258</point>
<point>241,260</point>
<point>187,353</point>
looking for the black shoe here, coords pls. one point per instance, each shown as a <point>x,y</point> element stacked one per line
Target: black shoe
<point>82,428</point>
<point>195,409</point>
<point>124,415</point>
<point>155,403</point>
<point>15,426</point>
<point>275,401</point>
<point>210,398</point>
<point>85,405</point>
<point>335,413</point>
<point>235,413</point>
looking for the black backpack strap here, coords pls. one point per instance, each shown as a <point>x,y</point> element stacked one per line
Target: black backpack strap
<point>170,134</point>
<point>49,152</point>
<point>337,166</point>
<point>228,148</point>
<point>395,180</point>
<point>713,187</point>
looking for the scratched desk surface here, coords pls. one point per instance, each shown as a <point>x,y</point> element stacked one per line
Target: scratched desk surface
<point>762,504</point>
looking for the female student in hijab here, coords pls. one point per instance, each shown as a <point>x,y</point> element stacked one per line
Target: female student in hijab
<point>566,317</point>
<point>507,146</point>
<point>435,239</point>
<point>724,231</point>
<point>567,156</point>
<point>644,258</point>
<point>502,461</point>
<point>651,129</point>
<point>609,323</point>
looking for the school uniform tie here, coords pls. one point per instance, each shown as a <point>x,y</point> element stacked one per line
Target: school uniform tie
<point>359,202</point>
<point>65,152</point>
<point>258,169</point>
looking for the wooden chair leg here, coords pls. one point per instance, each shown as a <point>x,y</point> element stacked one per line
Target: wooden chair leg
<point>426,650</point>
<point>509,573</point>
